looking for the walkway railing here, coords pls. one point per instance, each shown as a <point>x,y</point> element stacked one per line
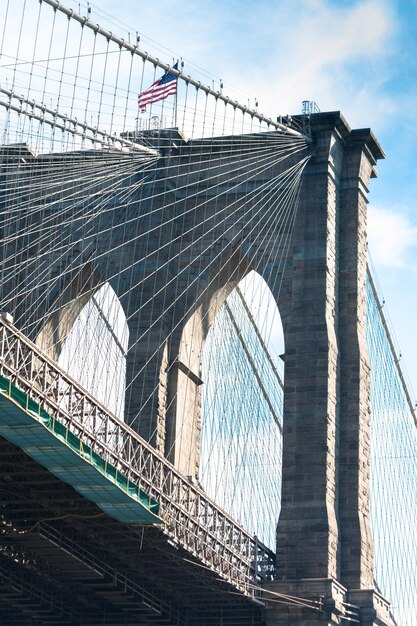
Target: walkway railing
<point>193,521</point>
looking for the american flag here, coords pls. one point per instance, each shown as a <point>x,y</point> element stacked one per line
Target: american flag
<point>159,90</point>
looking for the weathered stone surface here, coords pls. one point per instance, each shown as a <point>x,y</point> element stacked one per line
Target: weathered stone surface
<point>172,282</point>
<point>323,532</point>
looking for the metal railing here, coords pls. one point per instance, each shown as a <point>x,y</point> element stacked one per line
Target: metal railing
<point>193,521</point>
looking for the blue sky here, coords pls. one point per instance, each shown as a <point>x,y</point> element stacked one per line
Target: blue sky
<point>359,57</point>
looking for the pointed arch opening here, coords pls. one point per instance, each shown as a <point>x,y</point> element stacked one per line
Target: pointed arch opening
<point>227,390</point>
<point>94,350</point>
<point>242,407</point>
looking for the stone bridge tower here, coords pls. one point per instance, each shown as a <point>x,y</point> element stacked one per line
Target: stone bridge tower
<point>324,545</point>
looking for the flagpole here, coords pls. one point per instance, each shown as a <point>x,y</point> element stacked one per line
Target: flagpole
<point>176,99</point>
<point>175,110</point>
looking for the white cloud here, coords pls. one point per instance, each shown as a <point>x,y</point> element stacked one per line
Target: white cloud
<point>329,54</point>
<point>392,238</point>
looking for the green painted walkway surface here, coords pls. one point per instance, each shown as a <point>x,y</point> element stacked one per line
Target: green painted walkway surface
<point>25,424</point>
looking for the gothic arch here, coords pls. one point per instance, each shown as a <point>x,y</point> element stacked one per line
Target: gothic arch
<point>73,295</point>
<point>94,351</point>
<point>183,408</point>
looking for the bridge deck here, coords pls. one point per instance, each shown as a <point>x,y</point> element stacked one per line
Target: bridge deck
<point>24,423</point>
<point>65,561</point>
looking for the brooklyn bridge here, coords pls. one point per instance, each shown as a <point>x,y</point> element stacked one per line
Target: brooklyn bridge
<point>203,418</point>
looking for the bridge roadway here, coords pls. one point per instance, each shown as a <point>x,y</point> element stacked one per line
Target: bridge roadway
<point>64,561</point>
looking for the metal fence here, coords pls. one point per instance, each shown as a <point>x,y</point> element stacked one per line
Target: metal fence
<point>193,521</point>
